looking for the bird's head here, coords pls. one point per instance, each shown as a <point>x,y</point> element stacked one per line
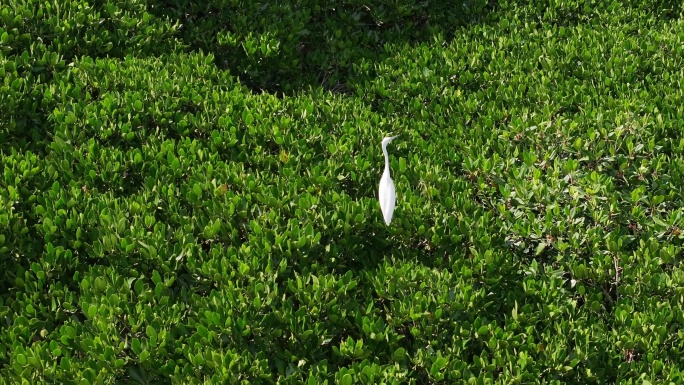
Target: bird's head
<point>388,139</point>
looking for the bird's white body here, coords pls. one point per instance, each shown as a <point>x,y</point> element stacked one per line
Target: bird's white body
<point>387,193</point>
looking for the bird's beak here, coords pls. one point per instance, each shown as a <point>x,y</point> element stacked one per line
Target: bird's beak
<point>393,137</point>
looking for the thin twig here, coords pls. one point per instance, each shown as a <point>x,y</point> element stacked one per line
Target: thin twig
<point>617,277</point>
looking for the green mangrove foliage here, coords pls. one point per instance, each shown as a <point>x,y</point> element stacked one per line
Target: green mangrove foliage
<point>188,192</point>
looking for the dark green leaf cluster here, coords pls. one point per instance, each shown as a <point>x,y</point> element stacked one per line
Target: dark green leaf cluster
<point>188,192</point>
<point>283,46</point>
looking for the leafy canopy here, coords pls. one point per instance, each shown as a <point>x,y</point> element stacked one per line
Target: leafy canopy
<point>188,192</point>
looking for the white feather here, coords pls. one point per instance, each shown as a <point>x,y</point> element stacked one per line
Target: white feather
<point>386,193</point>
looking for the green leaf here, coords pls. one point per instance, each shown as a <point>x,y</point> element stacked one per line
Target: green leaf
<point>144,355</point>
<point>136,346</point>
<point>156,278</point>
<point>347,379</point>
<point>175,164</point>
<point>202,331</point>
<point>399,354</point>
<point>439,364</point>
<point>151,331</point>
<point>65,363</point>
<point>92,311</point>
<point>247,117</point>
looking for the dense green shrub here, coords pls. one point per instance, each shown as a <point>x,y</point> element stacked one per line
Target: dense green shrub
<point>162,219</point>
<point>282,46</point>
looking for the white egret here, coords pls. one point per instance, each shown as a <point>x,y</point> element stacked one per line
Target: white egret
<point>386,193</point>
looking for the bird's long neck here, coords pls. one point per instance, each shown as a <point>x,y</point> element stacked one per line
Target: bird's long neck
<point>384,152</point>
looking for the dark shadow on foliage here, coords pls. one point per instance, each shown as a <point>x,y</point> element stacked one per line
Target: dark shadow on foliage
<point>503,283</point>
<point>117,30</point>
<point>281,47</point>
<point>572,13</point>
